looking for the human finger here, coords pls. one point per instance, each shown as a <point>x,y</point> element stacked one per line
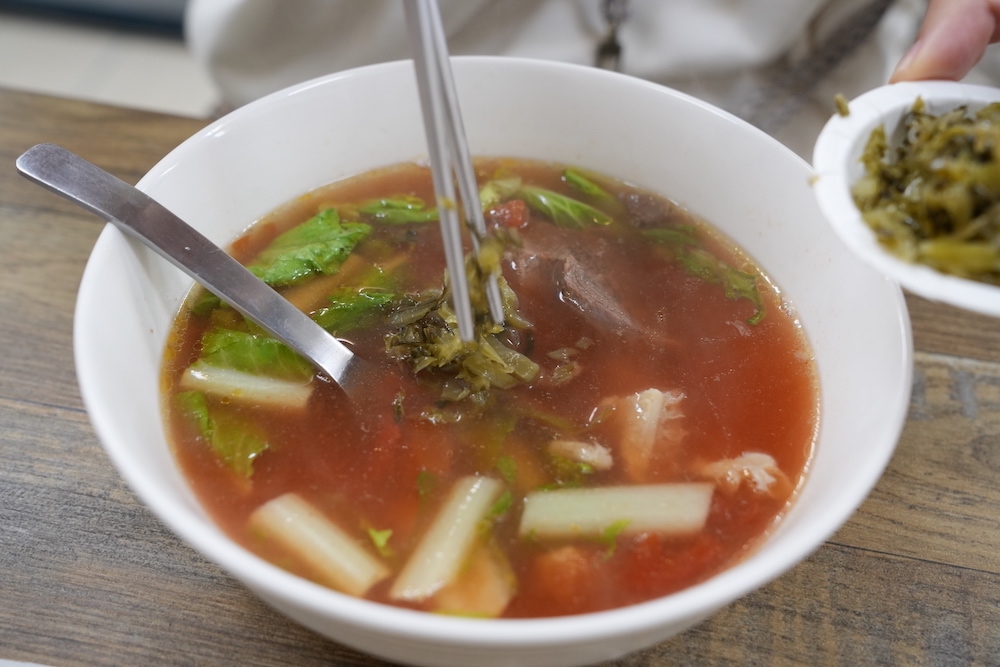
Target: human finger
<point>953,38</point>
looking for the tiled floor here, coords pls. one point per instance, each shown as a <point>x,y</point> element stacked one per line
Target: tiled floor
<point>111,64</point>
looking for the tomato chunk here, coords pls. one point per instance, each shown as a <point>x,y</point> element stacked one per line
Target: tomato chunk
<point>513,214</point>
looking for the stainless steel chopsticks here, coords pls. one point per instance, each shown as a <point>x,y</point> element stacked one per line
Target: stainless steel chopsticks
<point>450,158</point>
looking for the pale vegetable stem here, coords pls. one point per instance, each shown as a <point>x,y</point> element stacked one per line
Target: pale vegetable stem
<point>446,544</point>
<point>319,543</point>
<point>674,509</point>
<point>246,387</point>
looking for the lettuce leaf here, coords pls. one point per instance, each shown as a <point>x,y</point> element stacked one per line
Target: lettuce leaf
<point>685,245</point>
<point>194,407</point>
<point>400,210</point>
<point>236,442</point>
<point>319,245</point>
<point>352,309</point>
<point>676,235</point>
<point>562,210</point>
<point>498,190</point>
<point>737,284</point>
<point>580,182</point>
<point>252,353</point>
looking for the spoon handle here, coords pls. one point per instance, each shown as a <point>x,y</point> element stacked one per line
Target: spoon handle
<point>141,217</point>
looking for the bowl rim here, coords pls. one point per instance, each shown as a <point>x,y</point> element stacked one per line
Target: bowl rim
<point>691,604</point>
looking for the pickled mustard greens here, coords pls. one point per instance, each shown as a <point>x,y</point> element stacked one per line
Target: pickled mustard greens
<point>634,425</point>
<point>841,105</point>
<point>933,197</point>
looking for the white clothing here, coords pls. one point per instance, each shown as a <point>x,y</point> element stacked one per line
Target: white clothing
<point>745,56</point>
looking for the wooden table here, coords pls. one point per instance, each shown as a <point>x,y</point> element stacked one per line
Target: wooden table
<point>89,577</point>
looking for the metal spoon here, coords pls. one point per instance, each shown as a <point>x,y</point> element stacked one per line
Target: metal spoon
<point>141,217</point>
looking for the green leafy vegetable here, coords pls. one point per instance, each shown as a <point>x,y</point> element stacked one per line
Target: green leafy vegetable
<point>569,472</point>
<point>426,336</point>
<point>235,441</point>
<point>318,246</point>
<point>501,506</point>
<point>934,197</point>
<point>434,344</point>
<point>841,105</point>
<point>507,467</point>
<point>737,284</point>
<point>194,406</point>
<point>562,210</point>
<point>676,235</point>
<point>425,333</point>
<point>352,309</point>
<point>687,248</point>
<point>380,538</point>
<point>205,302</point>
<point>578,181</point>
<point>400,210</point>
<point>498,190</point>
<point>609,536</point>
<point>256,354</point>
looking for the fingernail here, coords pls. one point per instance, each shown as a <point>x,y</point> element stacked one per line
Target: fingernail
<point>906,61</point>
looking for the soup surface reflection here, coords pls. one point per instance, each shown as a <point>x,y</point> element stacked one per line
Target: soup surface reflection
<point>640,422</point>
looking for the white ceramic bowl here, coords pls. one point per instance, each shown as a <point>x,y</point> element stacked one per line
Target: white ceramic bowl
<point>754,189</point>
<point>836,160</point>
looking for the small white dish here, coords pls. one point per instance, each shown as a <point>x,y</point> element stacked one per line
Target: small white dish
<point>836,161</point>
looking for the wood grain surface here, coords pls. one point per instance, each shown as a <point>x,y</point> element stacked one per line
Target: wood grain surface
<point>89,577</point>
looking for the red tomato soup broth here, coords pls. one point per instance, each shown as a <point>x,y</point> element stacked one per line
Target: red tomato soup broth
<point>640,422</point>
